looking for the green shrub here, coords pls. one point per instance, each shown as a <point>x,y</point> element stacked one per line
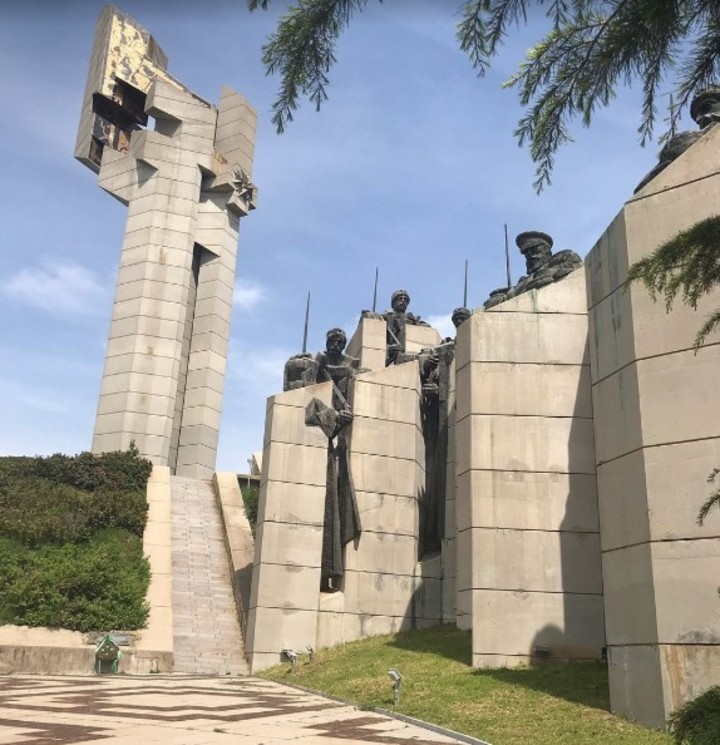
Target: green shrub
<point>697,722</point>
<point>71,541</point>
<point>117,471</point>
<point>98,585</point>
<point>251,496</point>
<point>64,499</point>
<point>36,511</point>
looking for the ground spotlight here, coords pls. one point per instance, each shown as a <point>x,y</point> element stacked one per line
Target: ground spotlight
<point>396,678</point>
<point>290,654</point>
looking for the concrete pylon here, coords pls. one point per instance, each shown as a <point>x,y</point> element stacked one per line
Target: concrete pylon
<point>186,184</point>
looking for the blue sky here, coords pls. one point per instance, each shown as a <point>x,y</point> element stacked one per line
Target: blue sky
<point>411,166</point>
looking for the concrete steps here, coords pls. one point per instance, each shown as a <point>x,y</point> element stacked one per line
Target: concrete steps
<point>206,631</point>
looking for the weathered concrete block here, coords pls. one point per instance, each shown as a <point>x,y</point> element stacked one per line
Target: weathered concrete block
<point>528,443</point>
<point>536,561</point>
<point>528,389</point>
<point>515,624</point>
<point>527,501</point>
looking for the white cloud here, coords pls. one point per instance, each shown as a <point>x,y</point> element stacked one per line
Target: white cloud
<point>443,324</point>
<point>62,288</point>
<point>248,294</point>
<point>260,368</point>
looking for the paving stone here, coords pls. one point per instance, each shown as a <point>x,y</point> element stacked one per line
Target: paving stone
<point>186,710</point>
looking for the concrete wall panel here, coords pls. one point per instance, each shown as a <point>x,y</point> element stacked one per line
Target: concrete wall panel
<point>513,625</point>
<point>528,501</point>
<point>536,561</point>
<point>630,614</point>
<point>539,390</point>
<point>547,338</point>
<point>527,443</point>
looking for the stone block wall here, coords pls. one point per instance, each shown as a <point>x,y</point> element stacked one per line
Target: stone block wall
<point>529,579</point>
<point>657,431</point>
<point>368,343</point>
<point>288,541</point>
<point>420,337</point>
<point>385,587</point>
<point>449,557</point>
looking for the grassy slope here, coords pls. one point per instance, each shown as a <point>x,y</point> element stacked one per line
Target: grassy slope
<point>554,705</point>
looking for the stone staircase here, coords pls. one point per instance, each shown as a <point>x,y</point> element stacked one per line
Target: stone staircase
<point>206,631</point>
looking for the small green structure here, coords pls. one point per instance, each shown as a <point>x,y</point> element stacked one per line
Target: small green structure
<point>107,656</point>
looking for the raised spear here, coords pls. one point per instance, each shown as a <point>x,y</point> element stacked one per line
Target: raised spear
<point>465,286</point>
<point>307,320</point>
<point>507,259</point>
<point>375,290</point>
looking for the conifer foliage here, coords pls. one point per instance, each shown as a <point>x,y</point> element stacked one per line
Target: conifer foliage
<point>687,265</point>
<point>698,721</point>
<point>589,48</point>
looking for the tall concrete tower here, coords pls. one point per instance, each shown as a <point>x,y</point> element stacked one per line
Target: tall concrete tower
<point>186,183</point>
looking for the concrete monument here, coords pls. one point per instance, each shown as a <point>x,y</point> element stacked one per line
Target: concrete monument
<point>535,480</point>
<point>186,183</point>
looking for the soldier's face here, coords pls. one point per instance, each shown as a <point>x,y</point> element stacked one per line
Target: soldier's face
<point>401,303</point>
<point>459,318</point>
<point>708,112</point>
<point>335,345</point>
<point>536,256</point>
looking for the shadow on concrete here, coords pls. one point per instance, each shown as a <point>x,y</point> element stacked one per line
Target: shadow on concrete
<point>242,584</point>
<point>582,634</point>
<point>566,662</point>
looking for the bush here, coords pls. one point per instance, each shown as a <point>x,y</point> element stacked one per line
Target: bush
<point>118,471</point>
<point>71,541</point>
<point>251,496</point>
<point>698,721</point>
<point>64,499</point>
<point>99,585</point>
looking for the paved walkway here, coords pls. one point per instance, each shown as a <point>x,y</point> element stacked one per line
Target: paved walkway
<point>186,710</point>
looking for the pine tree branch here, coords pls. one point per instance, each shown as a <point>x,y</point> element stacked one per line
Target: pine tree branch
<point>593,46</point>
<point>712,501</point>
<point>574,70</point>
<point>302,51</point>
<point>701,65</point>
<point>472,35</point>
<point>558,74</point>
<point>502,14</point>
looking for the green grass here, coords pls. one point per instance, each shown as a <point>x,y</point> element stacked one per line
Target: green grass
<point>550,705</point>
